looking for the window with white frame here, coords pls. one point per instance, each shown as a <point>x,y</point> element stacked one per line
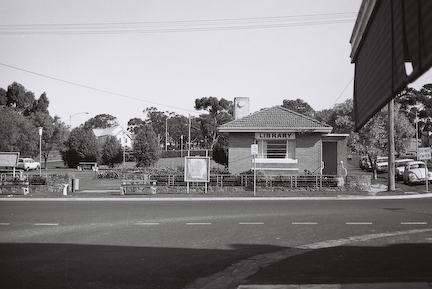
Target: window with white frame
<point>277,149</point>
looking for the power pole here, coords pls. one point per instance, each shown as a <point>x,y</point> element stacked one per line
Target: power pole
<point>391,148</point>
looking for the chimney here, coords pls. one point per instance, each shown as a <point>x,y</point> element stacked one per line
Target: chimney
<point>241,107</point>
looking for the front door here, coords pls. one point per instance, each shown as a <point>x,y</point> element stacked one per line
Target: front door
<point>330,158</point>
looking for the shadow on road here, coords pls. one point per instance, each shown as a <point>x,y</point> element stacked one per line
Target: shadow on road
<point>45,266</point>
<point>92,266</point>
<point>352,264</point>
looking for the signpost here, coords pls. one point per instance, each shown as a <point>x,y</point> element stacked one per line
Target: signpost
<point>424,154</point>
<point>254,152</point>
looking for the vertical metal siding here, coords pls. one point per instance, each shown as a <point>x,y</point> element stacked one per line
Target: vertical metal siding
<point>399,31</point>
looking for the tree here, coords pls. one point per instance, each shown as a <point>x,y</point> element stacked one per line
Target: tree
<point>82,145</point>
<point>101,121</point>
<point>3,97</point>
<point>21,116</point>
<point>417,106</point>
<point>157,120</point>
<point>372,138</point>
<point>146,147</point>
<point>220,150</point>
<point>19,98</point>
<point>112,151</point>
<point>18,133</point>
<point>164,124</point>
<point>341,117</point>
<point>40,105</point>
<point>134,125</point>
<point>299,106</point>
<point>220,112</point>
<point>178,125</point>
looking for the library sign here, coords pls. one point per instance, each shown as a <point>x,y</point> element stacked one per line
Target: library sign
<point>275,135</point>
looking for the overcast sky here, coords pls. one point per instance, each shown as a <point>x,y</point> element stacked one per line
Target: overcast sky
<point>120,57</point>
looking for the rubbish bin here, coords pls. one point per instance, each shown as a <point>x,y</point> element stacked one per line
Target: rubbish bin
<point>75,185</point>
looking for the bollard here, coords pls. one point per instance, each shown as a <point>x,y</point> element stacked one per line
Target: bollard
<point>65,189</point>
<point>75,185</point>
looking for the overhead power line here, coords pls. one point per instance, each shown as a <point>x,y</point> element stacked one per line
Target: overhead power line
<point>98,89</point>
<point>341,93</point>
<point>179,26</point>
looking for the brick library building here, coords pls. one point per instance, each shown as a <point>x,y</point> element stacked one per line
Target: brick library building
<point>288,143</point>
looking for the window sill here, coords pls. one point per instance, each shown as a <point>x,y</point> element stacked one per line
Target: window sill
<point>275,161</point>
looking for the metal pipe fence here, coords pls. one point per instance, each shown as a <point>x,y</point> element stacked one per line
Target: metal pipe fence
<point>289,181</point>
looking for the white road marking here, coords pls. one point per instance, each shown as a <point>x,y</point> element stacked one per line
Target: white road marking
<point>413,223</point>
<point>358,223</point>
<point>146,224</point>
<point>193,224</point>
<point>4,224</point>
<point>46,224</point>
<point>304,223</point>
<point>251,223</point>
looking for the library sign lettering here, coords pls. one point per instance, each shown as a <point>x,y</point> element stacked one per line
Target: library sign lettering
<point>275,135</point>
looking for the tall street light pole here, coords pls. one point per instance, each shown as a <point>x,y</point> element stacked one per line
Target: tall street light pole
<point>124,150</point>
<point>72,115</point>
<point>166,134</point>
<point>391,148</point>
<point>40,150</point>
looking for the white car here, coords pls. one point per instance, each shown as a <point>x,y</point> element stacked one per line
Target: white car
<point>400,167</point>
<point>381,164</point>
<point>416,172</point>
<point>28,164</point>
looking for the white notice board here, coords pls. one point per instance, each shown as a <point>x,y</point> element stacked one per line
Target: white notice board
<point>9,159</point>
<point>197,169</point>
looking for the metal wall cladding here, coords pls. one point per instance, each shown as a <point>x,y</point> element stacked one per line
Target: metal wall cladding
<point>398,32</point>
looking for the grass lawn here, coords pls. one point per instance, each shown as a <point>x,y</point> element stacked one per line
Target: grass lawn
<point>87,178</point>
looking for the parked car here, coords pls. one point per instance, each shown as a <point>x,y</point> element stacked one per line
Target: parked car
<point>382,166</point>
<point>409,155</point>
<point>399,164</point>
<point>28,164</point>
<point>400,167</point>
<point>381,162</point>
<point>415,172</point>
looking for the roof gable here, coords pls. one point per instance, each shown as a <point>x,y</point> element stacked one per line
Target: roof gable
<point>113,130</point>
<point>275,118</point>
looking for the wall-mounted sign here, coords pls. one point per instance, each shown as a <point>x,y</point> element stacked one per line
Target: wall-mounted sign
<point>197,169</point>
<point>274,135</point>
<point>254,149</point>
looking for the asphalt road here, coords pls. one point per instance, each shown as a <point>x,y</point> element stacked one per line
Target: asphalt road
<point>70,244</point>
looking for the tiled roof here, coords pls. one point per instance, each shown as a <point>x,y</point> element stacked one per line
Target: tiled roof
<point>275,118</point>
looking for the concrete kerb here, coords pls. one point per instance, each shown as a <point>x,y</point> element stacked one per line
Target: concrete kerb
<point>179,199</point>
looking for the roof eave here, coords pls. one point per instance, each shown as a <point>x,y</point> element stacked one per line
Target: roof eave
<point>267,129</point>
